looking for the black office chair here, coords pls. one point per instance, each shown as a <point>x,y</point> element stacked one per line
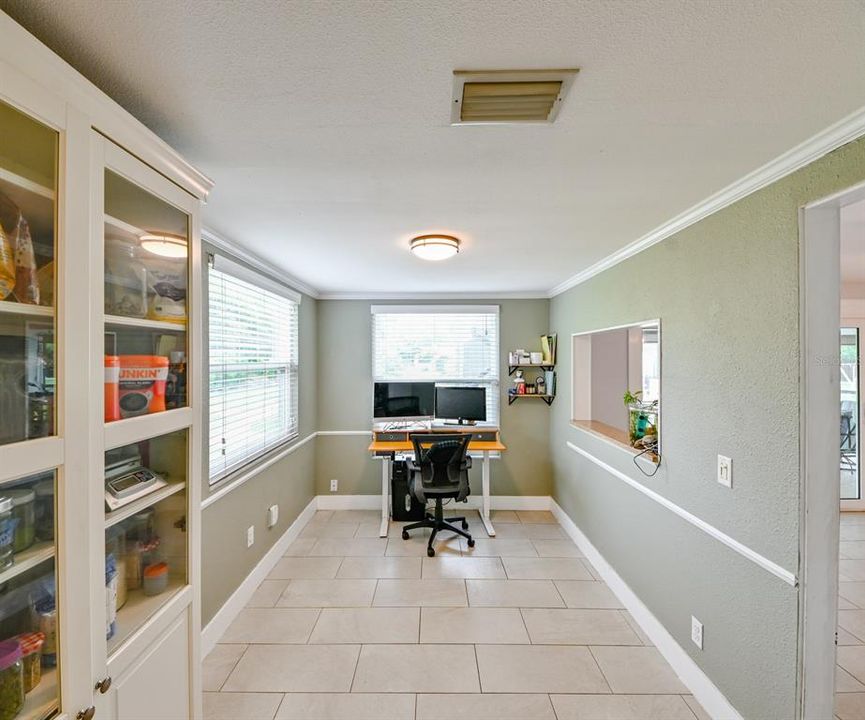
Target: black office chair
<point>440,470</point>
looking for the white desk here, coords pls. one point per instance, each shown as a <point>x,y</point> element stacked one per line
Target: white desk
<point>386,444</point>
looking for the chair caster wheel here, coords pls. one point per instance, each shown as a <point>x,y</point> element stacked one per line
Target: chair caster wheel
<point>471,543</point>
<point>430,552</point>
<point>404,535</point>
<point>465,525</point>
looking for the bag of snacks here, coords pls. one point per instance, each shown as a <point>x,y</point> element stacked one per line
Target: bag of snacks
<point>7,265</point>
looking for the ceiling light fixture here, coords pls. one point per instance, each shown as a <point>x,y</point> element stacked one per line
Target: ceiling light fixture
<point>435,247</point>
<point>164,245</point>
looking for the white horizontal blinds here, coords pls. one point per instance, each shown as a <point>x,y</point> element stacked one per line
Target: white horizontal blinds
<point>253,370</point>
<point>450,345</point>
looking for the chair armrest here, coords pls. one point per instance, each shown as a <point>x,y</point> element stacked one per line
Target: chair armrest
<point>468,462</point>
<point>412,466</point>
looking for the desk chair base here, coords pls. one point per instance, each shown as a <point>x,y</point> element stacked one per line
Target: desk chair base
<point>437,523</point>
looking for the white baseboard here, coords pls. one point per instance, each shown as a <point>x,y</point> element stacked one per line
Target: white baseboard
<point>497,502</point>
<point>703,689</point>
<point>240,597</point>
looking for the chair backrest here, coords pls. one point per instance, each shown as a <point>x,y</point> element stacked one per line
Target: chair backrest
<point>440,456</point>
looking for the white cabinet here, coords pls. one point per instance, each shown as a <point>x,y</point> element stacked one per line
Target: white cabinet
<point>100,379</point>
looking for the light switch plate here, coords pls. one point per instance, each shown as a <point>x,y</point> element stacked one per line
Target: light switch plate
<point>725,471</point>
<point>250,536</point>
<point>696,632</point>
<point>272,515</point>
<point>334,485</point>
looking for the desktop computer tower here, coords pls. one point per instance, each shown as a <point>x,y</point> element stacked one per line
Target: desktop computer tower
<point>404,506</point>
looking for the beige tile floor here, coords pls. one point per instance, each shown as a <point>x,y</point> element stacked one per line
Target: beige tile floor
<point>850,672</point>
<point>520,627</point>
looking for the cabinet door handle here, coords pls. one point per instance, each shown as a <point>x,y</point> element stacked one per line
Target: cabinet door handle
<point>103,685</point>
<point>86,714</point>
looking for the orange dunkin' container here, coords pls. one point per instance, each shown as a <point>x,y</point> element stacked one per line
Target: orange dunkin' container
<point>142,384</point>
<point>112,389</point>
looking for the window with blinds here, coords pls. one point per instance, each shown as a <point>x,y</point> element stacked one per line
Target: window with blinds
<point>446,344</point>
<point>253,341</point>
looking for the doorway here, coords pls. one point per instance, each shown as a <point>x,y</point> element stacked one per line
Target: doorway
<point>832,539</point>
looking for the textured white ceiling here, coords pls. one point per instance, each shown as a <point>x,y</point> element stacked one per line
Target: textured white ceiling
<point>325,123</point>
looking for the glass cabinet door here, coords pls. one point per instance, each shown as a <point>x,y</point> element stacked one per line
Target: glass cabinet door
<point>28,184</point>
<point>146,280</point>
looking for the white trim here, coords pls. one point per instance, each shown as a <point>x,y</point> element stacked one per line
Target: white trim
<point>224,264</point>
<point>823,142</point>
<point>217,626</point>
<point>434,309</point>
<point>253,471</point>
<point>497,502</point>
<point>700,685</point>
<point>250,258</point>
<point>710,530</point>
<point>385,296</point>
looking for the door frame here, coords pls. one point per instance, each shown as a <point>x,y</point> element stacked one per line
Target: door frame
<point>819,527</point>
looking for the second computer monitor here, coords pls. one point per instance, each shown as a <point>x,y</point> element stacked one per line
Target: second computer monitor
<point>463,404</point>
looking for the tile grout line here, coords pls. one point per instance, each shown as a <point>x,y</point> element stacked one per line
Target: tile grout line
<point>600,669</point>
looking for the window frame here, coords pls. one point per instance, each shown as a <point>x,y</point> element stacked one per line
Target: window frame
<point>244,271</point>
<point>453,309</point>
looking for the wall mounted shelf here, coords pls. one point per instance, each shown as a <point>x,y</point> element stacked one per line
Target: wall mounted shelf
<point>540,366</point>
<point>548,399</point>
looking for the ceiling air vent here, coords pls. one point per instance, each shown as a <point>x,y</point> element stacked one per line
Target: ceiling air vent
<point>509,96</point>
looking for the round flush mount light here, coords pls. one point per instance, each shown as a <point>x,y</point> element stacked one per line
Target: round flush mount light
<point>435,247</point>
<point>164,245</point>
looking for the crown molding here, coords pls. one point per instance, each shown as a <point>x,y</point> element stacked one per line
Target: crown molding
<point>372,295</point>
<point>833,137</point>
<point>250,258</point>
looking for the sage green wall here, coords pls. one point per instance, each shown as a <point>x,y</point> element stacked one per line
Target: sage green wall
<point>727,293</point>
<point>290,483</point>
<point>345,401</point>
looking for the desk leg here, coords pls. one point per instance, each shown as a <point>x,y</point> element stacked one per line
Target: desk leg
<point>385,489</point>
<point>485,510</point>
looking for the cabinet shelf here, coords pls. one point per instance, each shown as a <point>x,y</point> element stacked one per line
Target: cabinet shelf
<point>16,308</point>
<point>548,399</point>
<point>127,511</point>
<point>145,427</point>
<point>143,323</point>
<point>28,559</point>
<point>139,608</point>
<point>41,701</point>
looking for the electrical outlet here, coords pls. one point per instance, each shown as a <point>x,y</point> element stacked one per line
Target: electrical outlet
<point>725,471</point>
<point>272,515</point>
<point>250,536</point>
<point>334,485</point>
<point>696,632</point>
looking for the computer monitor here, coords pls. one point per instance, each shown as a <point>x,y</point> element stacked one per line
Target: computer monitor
<point>403,401</point>
<point>463,404</point>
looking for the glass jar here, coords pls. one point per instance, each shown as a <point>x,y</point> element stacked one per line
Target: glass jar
<point>125,280</point>
<point>7,533</point>
<point>45,509</point>
<point>24,514</point>
<point>11,679</point>
<point>31,658</point>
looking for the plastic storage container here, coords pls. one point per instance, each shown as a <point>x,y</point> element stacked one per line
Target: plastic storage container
<point>45,614</point>
<point>44,509</point>
<point>155,578</point>
<point>112,388</point>
<point>11,679</point>
<point>7,533</point>
<point>125,280</point>
<point>31,658</point>
<point>115,545</point>
<point>24,513</point>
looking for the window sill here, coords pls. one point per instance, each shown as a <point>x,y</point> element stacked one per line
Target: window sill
<point>244,473</point>
<point>613,436</point>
